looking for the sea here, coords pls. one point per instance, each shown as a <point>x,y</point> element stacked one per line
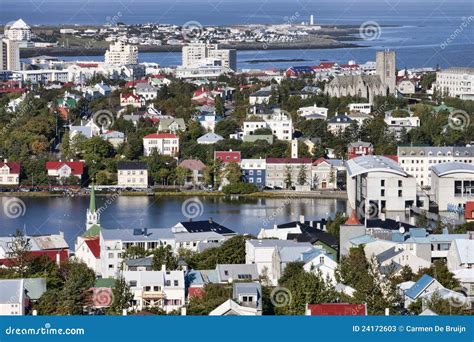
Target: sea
<point>424,33</point>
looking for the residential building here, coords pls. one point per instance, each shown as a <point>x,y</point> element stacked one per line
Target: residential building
<point>173,125</point>
<point>461,254</point>
<point>452,185</point>
<point>285,172</point>
<point>156,289</point>
<point>279,122</point>
<point>18,30</point>
<point>246,301</point>
<point>324,175</point>
<point>62,170</point>
<point>261,96</point>
<point>253,171</point>
<point>209,139</point>
<point>132,100</point>
<point>202,226</point>
<point>406,86</point>
<point>336,309</point>
<point>400,126</point>
<point>9,55</point>
<point>338,123</point>
<point>376,184</point>
<point>313,112</point>
<point>116,138</point>
<point>164,143</point>
<point>359,117</point>
<point>13,298</point>
<point>9,173</point>
<point>359,148</point>
<point>456,82</point>
<point>365,108</point>
<point>469,211</point>
<point>228,156</point>
<point>193,55</point>
<point>132,174</point>
<point>196,171</point>
<point>418,160</point>
<point>145,91</point>
<point>120,53</point>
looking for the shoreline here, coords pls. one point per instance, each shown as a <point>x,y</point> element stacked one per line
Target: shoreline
<point>82,51</point>
<point>265,194</point>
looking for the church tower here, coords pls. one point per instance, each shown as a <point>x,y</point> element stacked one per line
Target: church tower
<point>386,69</point>
<point>92,214</point>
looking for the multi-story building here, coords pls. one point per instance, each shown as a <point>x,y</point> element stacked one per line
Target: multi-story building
<point>365,108</point>
<point>452,185</point>
<point>196,54</point>
<point>377,183</point>
<point>313,112</point>
<point>253,171</point>
<point>279,122</point>
<point>9,173</point>
<point>165,143</point>
<point>120,53</point>
<point>43,76</point>
<point>9,55</point>
<point>418,160</point>
<point>285,172</point>
<point>13,298</point>
<point>399,125</point>
<point>132,174</point>
<point>196,171</point>
<point>359,148</point>
<point>18,30</point>
<point>338,123</point>
<point>156,289</point>
<point>227,156</point>
<point>456,82</point>
<point>324,174</point>
<point>65,169</point>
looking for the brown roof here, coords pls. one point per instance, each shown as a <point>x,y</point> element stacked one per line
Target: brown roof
<point>192,164</point>
<point>353,220</point>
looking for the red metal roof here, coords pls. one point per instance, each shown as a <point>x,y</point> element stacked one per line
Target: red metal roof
<point>94,246</point>
<point>195,292</point>
<point>87,65</point>
<point>160,136</point>
<point>228,156</point>
<point>14,166</point>
<point>77,167</point>
<point>337,309</point>
<point>51,254</point>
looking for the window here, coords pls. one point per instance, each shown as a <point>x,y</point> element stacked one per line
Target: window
<point>156,288</point>
<point>176,283</point>
<point>321,260</point>
<point>400,194</point>
<point>382,182</point>
<point>133,283</point>
<point>226,272</point>
<point>382,192</point>
<point>400,183</point>
<point>168,283</point>
<point>111,255</point>
<point>111,266</point>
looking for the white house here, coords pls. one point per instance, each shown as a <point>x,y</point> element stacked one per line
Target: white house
<point>246,301</point>
<point>323,174</point>
<point>156,289</point>
<point>313,112</point>
<point>13,299</point>
<point>279,122</point>
<point>132,100</point>
<point>164,143</point>
<point>9,173</point>
<point>365,108</point>
<point>461,254</point>
<point>261,96</point>
<point>145,91</point>
<point>132,174</point>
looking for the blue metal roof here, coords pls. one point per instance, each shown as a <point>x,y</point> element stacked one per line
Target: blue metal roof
<point>422,283</point>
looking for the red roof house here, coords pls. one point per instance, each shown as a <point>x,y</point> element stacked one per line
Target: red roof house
<point>227,156</point>
<point>65,169</point>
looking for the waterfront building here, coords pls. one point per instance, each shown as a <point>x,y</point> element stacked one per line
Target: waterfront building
<point>324,174</point>
<point>164,143</point>
<point>456,82</point>
<point>9,173</point>
<point>196,171</point>
<point>253,171</point>
<point>120,53</point>
<point>418,160</point>
<point>376,184</point>
<point>132,174</point>
<point>61,170</point>
<point>9,55</point>
<point>452,185</point>
<point>283,173</point>
<point>18,30</point>
<point>359,148</point>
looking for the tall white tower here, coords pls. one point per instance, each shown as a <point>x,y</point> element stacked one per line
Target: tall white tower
<point>311,20</point>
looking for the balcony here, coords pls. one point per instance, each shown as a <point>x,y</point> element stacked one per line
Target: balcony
<point>153,295</point>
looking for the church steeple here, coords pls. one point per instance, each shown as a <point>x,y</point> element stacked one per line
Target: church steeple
<point>92,214</point>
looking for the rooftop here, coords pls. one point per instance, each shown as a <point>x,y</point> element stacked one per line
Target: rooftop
<point>368,164</point>
<point>446,169</point>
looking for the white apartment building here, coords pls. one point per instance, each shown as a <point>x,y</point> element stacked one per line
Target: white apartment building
<point>418,160</point>
<point>43,76</point>
<point>156,289</point>
<point>281,171</point>
<point>196,54</point>
<point>398,125</point>
<point>120,53</point>
<point>365,108</point>
<point>9,173</point>
<point>18,30</point>
<point>12,297</point>
<point>456,82</point>
<point>132,174</point>
<point>9,55</point>
<point>377,183</point>
<point>165,143</point>
<point>313,112</point>
<point>279,122</point>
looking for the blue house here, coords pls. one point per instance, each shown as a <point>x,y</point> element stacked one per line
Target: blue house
<point>254,171</point>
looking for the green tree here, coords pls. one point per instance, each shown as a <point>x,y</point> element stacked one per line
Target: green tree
<point>302,174</point>
<point>122,296</point>
<point>19,254</point>
<point>163,255</point>
<point>233,173</point>
<point>288,176</point>
<point>213,296</point>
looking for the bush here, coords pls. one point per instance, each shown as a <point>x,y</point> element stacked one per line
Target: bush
<point>239,189</point>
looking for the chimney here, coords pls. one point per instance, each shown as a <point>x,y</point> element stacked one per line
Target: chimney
<point>412,220</point>
<point>124,312</point>
<point>58,259</point>
<point>302,219</point>
<point>275,226</point>
<point>398,218</point>
<point>183,311</point>
<point>387,312</point>
<point>163,268</point>
<point>382,216</point>
<point>5,161</point>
